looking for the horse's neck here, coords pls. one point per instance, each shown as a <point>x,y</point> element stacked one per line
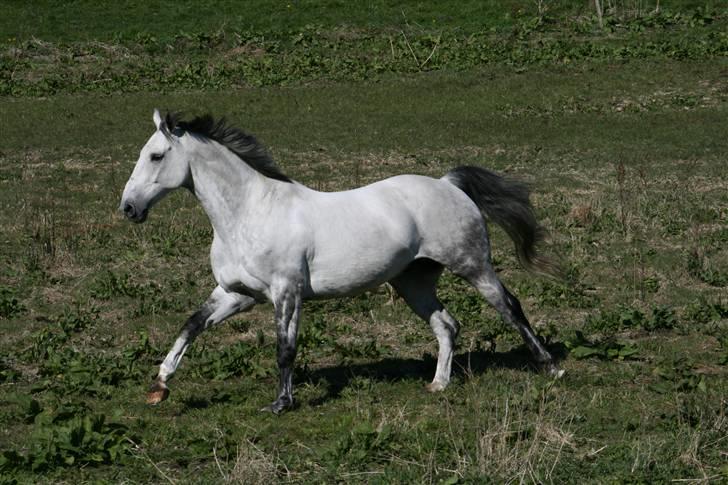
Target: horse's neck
<point>229,190</point>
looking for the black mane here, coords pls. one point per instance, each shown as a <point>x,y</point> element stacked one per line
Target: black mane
<point>234,139</point>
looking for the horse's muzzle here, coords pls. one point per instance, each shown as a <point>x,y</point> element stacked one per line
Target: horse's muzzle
<point>132,213</point>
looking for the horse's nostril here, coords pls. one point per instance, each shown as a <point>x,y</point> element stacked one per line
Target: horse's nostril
<point>129,210</point>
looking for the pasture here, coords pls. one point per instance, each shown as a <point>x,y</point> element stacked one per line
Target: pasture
<point>618,121</point>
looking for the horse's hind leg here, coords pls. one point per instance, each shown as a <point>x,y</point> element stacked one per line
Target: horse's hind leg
<point>488,284</point>
<point>219,306</point>
<point>417,285</point>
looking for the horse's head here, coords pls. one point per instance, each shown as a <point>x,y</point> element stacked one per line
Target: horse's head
<point>161,168</point>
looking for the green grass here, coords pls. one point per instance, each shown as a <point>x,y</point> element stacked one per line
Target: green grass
<point>238,55</point>
<point>627,161</point>
<point>86,20</point>
<point>61,21</point>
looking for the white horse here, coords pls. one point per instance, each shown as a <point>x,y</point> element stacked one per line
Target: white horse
<point>278,240</point>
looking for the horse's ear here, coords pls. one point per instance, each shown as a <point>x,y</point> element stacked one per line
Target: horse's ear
<point>158,121</point>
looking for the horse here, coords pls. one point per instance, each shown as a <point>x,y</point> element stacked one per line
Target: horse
<point>277,240</point>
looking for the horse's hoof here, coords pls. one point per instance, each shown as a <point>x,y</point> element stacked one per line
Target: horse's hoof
<point>554,371</point>
<point>157,394</point>
<point>279,406</point>
<point>435,387</point>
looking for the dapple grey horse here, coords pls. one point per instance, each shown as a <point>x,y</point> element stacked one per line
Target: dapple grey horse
<point>278,240</point>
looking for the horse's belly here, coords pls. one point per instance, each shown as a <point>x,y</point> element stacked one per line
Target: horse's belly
<point>356,273</point>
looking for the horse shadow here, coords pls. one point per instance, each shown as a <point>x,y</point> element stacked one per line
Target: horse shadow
<point>466,364</point>
<point>335,379</point>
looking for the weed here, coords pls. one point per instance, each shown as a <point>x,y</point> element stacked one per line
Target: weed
<point>570,294</point>
<point>133,352</point>
<point>723,360</point>
<point>149,297</point>
<point>69,372</point>
<point>9,304</point>
<point>237,359</point>
<point>315,334</point>
<point>28,408</point>
<point>58,440</point>
<point>361,444</point>
<point>60,329</point>
<point>7,373</point>
<point>651,284</point>
<point>110,285</point>
<point>699,267</point>
<point>608,322</point>
<point>581,348</point>
<point>662,318</point>
<point>368,349</point>
<point>704,311</point>
<point>76,319</point>
<point>240,326</point>
<point>45,342</point>
<point>461,300</point>
<point>677,375</point>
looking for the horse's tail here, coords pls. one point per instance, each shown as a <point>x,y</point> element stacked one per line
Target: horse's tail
<point>506,202</point>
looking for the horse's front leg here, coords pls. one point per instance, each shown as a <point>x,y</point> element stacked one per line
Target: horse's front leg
<point>219,306</point>
<point>287,314</point>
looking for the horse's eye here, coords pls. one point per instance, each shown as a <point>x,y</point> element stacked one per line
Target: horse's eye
<point>157,157</point>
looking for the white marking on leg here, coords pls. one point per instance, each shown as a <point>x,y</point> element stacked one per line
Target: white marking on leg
<point>445,328</point>
<point>173,358</point>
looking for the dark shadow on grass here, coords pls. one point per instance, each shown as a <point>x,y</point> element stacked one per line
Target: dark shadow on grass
<point>197,403</point>
<point>337,378</point>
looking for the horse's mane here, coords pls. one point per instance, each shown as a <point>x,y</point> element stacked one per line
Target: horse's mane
<point>242,144</point>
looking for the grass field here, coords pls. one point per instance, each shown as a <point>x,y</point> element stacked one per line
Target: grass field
<point>619,124</point>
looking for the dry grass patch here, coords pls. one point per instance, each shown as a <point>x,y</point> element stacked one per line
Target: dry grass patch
<point>252,465</point>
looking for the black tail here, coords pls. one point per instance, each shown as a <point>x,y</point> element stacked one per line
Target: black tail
<point>506,202</point>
